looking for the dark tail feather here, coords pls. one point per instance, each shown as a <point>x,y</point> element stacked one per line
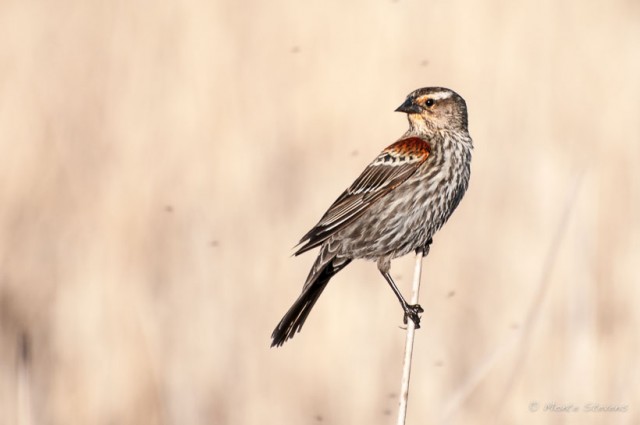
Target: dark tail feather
<point>316,282</point>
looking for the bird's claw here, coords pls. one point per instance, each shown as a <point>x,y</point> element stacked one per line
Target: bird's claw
<point>411,312</point>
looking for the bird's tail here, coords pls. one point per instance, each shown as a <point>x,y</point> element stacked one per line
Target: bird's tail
<point>324,268</point>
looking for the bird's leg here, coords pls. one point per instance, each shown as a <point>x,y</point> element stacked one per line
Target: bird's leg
<point>411,311</point>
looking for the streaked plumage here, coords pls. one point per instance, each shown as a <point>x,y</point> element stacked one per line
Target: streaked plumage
<point>396,205</point>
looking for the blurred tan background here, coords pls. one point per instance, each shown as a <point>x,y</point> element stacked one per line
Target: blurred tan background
<point>158,160</point>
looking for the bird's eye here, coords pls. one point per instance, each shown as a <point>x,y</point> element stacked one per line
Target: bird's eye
<point>429,103</point>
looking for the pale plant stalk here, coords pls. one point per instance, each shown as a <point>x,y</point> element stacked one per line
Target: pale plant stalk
<point>408,348</point>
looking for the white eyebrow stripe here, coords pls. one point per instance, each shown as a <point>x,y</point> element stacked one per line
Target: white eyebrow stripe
<point>440,95</point>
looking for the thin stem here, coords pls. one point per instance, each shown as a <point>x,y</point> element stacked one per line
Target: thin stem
<point>408,348</point>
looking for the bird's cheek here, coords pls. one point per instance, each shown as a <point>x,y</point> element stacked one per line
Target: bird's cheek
<point>415,119</point>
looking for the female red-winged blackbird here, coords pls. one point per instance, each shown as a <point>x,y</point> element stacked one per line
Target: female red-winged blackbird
<point>396,205</point>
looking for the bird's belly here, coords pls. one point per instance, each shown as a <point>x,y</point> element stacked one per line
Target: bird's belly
<point>397,224</point>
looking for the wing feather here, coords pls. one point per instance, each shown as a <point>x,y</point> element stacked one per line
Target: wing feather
<point>391,168</point>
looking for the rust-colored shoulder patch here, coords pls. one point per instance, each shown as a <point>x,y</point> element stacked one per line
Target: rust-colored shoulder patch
<point>410,149</point>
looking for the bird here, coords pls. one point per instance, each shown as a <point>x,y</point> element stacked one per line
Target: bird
<point>396,205</point>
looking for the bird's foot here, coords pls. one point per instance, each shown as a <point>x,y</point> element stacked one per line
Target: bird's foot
<point>411,311</point>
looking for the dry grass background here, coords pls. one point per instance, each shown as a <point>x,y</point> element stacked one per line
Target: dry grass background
<point>159,160</point>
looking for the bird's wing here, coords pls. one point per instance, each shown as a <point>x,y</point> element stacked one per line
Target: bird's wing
<point>393,166</point>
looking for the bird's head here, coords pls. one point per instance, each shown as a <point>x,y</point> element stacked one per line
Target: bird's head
<point>435,108</point>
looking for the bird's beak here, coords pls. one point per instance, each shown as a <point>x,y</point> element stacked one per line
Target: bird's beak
<point>408,107</point>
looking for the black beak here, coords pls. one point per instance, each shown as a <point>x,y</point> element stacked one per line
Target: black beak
<point>408,107</point>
